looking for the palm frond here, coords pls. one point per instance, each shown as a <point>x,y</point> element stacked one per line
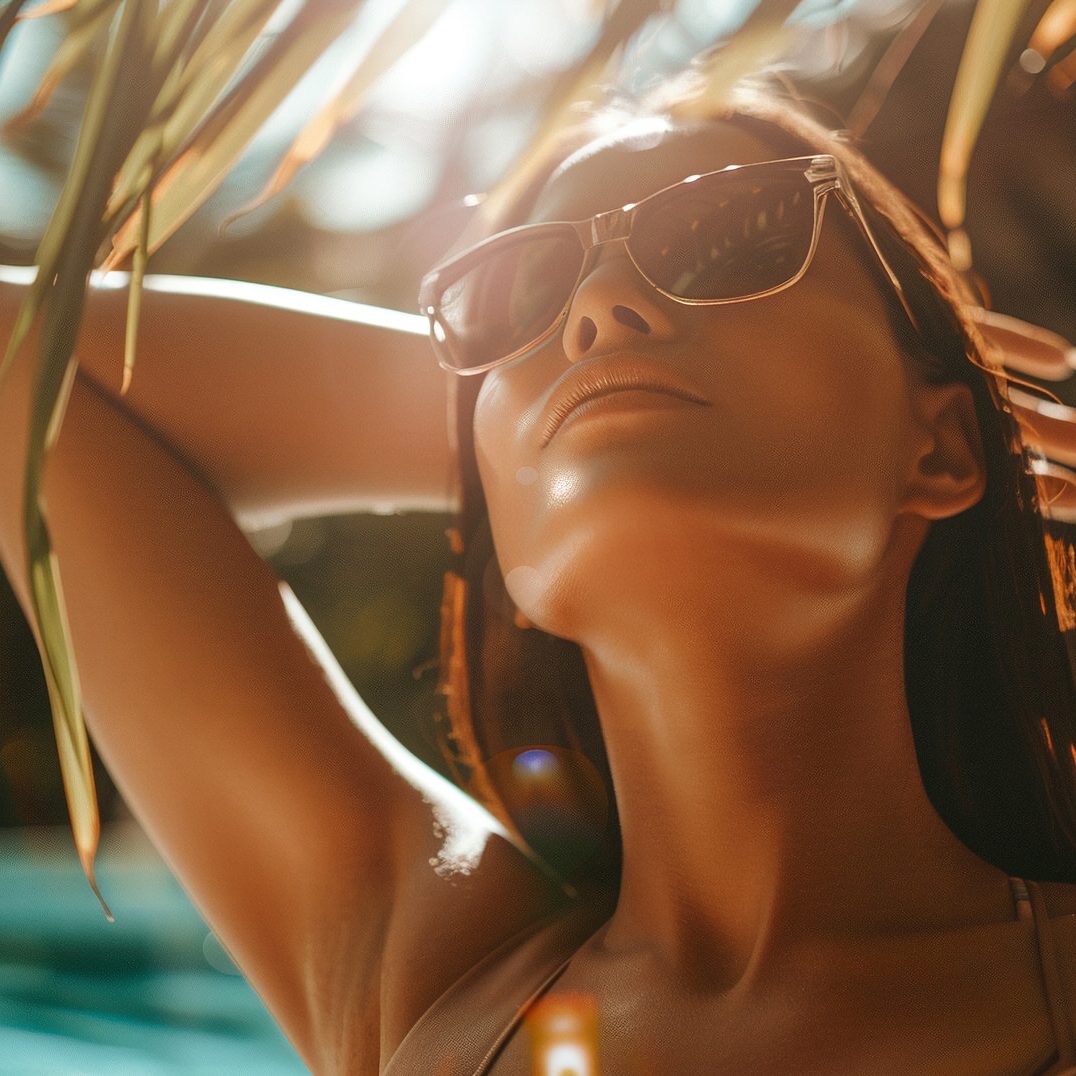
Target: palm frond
<point>49,7</point>
<point>191,86</point>
<point>756,45</point>
<point>11,13</point>
<point>65,258</point>
<point>409,25</point>
<point>206,159</point>
<point>81,41</point>
<point>572,88</point>
<point>993,28</point>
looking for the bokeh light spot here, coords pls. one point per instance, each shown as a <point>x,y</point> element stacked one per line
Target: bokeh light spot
<point>524,584</point>
<point>535,762</point>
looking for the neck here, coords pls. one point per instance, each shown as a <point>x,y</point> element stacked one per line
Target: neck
<point>768,790</point>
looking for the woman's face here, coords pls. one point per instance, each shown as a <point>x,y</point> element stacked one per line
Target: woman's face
<point>793,445</point>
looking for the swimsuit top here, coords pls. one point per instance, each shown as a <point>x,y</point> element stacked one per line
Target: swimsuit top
<point>499,991</point>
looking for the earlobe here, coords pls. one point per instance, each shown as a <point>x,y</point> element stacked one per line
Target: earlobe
<point>948,474</point>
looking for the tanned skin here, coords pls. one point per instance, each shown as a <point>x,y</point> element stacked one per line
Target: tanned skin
<point>734,573</point>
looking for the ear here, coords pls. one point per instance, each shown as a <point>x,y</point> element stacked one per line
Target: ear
<point>948,473</point>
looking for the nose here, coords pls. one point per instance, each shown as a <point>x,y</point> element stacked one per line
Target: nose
<point>614,307</point>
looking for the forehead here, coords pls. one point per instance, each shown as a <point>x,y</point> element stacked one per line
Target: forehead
<point>640,159</point>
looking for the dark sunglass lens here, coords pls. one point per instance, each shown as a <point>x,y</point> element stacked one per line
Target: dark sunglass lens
<point>509,298</point>
<point>726,237</point>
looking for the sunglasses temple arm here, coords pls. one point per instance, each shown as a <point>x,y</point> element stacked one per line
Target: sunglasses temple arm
<point>848,196</point>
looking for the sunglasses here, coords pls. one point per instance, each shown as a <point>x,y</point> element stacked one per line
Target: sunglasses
<point>741,233</point>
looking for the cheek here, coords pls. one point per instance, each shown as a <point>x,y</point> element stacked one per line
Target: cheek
<point>801,452</point>
<point>814,394</point>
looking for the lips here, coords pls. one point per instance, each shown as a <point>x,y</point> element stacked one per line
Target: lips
<point>606,374</point>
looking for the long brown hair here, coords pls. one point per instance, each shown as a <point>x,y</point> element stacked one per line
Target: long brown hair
<point>987,670</point>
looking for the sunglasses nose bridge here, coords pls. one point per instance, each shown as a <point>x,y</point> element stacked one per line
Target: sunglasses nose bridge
<point>610,226</point>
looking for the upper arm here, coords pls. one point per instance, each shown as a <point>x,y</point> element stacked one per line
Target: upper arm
<point>285,403</point>
<point>217,721</point>
<point>219,726</point>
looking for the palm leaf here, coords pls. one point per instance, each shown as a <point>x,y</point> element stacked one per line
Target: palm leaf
<point>993,28</point>
<point>134,303</point>
<point>65,258</point>
<point>49,7</point>
<point>763,37</point>
<point>574,86</point>
<point>8,17</point>
<point>206,160</point>
<point>192,84</point>
<point>409,25</point>
<point>79,43</point>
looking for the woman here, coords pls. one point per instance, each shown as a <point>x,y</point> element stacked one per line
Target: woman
<point>713,490</point>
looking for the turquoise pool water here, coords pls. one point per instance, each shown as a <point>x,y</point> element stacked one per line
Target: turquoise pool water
<point>153,992</point>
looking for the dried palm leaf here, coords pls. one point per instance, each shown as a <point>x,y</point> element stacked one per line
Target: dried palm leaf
<point>81,40</point>
<point>410,24</point>
<point>208,157</point>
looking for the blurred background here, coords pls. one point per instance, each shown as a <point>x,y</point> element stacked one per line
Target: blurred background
<point>155,992</point>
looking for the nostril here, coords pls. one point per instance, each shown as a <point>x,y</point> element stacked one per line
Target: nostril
<point>633,320</point>
<point>587,333</point>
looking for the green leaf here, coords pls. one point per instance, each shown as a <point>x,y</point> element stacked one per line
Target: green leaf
<point>64,259</point>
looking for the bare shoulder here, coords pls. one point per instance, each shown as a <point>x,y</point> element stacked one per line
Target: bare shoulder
<point>462,889</point>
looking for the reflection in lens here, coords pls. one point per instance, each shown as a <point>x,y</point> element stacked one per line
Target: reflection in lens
<point>510,297</point>
<point>726,237</point>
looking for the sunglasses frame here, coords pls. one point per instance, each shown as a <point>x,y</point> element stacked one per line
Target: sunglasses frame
<point>822,171</point>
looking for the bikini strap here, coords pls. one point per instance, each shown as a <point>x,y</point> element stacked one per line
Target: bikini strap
<point>462,1033</point>
<point>1031,905</point>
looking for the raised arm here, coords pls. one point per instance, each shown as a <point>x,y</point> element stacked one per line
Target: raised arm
<point>286,403</point>
<point>306,841</point>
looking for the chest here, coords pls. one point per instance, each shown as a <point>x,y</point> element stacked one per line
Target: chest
<point>949,1006</point>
